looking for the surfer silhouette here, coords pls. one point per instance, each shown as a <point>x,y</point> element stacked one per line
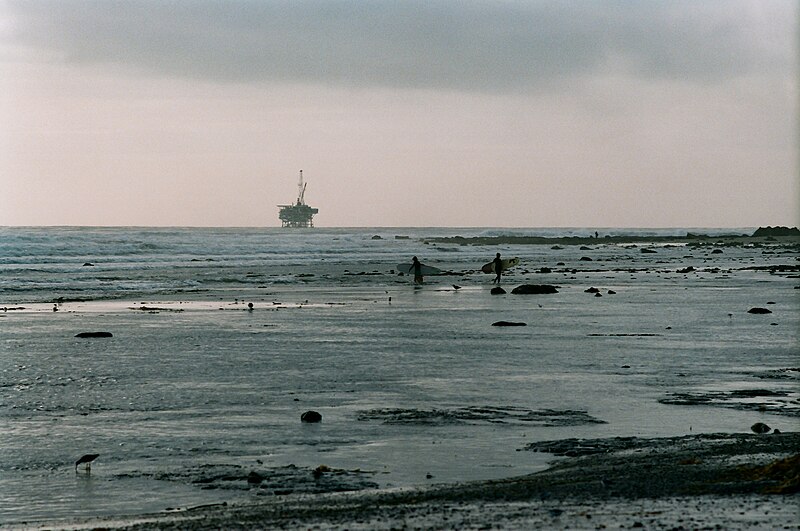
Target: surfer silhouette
<point>497,265</point>
<point>417,267</point>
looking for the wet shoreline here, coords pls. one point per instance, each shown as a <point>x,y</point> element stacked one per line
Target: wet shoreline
<point>699,480</point>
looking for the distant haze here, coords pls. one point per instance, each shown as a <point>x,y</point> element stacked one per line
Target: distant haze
<point>413,113</point>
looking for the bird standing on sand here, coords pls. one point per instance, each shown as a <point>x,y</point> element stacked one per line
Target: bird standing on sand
<point>87,460</point>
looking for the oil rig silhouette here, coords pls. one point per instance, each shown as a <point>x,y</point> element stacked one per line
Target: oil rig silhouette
<point>299,215</point>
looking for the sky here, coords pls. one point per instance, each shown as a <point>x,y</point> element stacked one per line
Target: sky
<point>494,113</point>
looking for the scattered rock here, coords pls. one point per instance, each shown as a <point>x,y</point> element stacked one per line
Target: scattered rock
<point>644,250</point>
<point>311,416</point>
<point>94,334</point>
<point>545,270</point>
<point>534,289</point>
<point>591,290</point>
<point>498,291</point>
<point>685,270</point>
<point>508,323</point>
<point>759,310</point>
<point>88,264</point>
<point>376,237</point>
<point>760,427</point>
<point>612,292</point>
<point>585,259</point>
<point>716,251</point>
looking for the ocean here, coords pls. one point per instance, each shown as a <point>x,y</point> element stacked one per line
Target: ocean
<point>197,397</point>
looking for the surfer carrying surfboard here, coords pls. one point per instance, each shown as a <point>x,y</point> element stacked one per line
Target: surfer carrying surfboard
<point>497,264</point>
<point>417,267</point>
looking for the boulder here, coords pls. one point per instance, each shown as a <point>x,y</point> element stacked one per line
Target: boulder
<point>94,334</point>
<point>760,427</point>
<point>591,290</point>
<point>534,289</point>
<point>311,416</point>
<point>759,310</point>
<point>508,323</point>
<point>498,291</point>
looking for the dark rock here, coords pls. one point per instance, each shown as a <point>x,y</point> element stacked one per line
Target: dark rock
<point>584,248</point>
<point>311,416</point>
<point>376,237</point>
<point>647,251</point>
<point>685,270</point>
<point>591,290</point>
<point>498,291</point>
<point>612,292</point>
<point>545,270</point>
<point>760,427</point>
<point>508,323</point>
<point>759,310</point>
<point>716,251</point>
<point>776,231</point>
<point>94,334</point>
<point>255,478</point>
<point>585,259</point>
<point>88,264</point>
<point>598,294</point>
<point>534,289</point>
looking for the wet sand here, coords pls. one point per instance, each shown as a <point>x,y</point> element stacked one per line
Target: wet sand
<point>723,481</point>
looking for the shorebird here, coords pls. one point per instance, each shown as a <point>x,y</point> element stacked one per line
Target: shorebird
<point>87,460</point>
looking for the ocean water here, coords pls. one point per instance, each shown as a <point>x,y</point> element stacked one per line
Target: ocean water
<point>196,399</point>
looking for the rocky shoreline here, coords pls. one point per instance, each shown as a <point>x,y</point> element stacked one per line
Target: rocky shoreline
<point>695,481</point>
<point>763,235</point>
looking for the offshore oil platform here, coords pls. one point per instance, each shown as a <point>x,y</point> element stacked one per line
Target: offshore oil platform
<point>299,214</point>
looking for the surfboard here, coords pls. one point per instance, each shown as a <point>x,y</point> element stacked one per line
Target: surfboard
<point>507,263</point>
<point>408,269</point>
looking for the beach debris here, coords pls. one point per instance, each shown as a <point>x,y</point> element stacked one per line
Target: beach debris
<point>509,323</point>
<point>497,290</point>
<point>86,460</point>
<point>94,334</point>
<point>479,415</point>
<point>759,310</point>
<point>760,427</point>
<point>311,416</point>
<point>779,402</point>
<point>534,289</point>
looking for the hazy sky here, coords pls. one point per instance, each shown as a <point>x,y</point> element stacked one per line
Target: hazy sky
<point>628,113</point>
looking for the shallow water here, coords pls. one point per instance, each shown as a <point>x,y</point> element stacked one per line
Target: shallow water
<point>194,392</point>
